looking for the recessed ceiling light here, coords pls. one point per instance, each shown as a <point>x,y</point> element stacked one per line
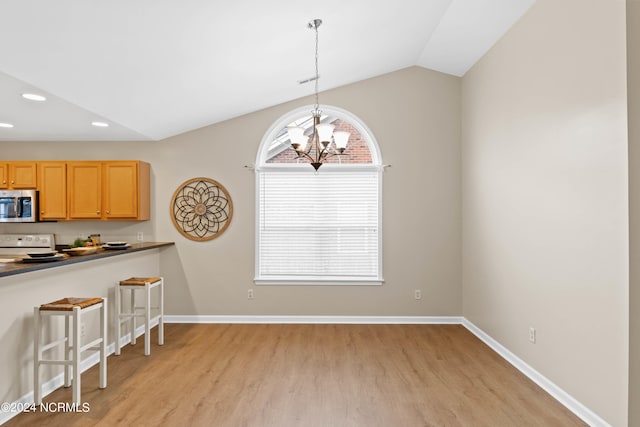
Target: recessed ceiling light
<point>100,124</point>
<point>6,125</point>
<point>33,97</point>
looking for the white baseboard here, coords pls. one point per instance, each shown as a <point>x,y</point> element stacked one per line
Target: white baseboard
<point>559,394</point>
<point>317,319</point>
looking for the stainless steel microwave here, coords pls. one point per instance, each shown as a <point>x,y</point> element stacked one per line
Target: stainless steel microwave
<point>18,205</point>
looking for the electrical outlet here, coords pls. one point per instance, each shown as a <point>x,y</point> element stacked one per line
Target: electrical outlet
<point>250,294</point>
<point>532,335</point>
<point>140,236</point>
<point>417,294</point>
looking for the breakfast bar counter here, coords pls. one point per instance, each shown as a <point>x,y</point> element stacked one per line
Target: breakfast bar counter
<point>26,285</point>
<point>18,267</point>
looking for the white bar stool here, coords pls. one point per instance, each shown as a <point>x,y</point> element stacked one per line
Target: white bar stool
<point>73,310</point>
<point>133,284</point>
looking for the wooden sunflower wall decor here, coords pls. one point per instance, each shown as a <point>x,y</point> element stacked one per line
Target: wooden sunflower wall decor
<point>201,209</point>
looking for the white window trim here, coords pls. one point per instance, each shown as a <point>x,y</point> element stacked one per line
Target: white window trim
<point>261,165</point>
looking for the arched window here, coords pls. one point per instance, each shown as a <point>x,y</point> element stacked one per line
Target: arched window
<point>319,227</point>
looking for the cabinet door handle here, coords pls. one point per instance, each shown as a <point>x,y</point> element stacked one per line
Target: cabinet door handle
<point>108,212</point>
<point>13,182</point>
<point>97,212</point>
<point>41,212</point>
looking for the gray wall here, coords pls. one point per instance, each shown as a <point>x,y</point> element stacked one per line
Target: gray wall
<point>545,213</point>
<point>633,92</point>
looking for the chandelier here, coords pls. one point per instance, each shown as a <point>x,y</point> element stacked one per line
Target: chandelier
<point>317,147</point>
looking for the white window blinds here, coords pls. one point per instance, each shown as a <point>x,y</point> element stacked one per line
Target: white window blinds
<point>318,227</point>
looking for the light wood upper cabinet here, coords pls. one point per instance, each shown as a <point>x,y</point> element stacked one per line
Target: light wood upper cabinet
<point>18,175</point>
<point>4,175</point>
<point>84,189</point>
<point>52,187</point>
<point>109,190</point>
<point>126,188</point>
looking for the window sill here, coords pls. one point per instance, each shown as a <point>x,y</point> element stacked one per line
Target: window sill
<point>330,282</point>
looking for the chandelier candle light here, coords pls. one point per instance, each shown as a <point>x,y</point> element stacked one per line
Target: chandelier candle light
<point>323,135</point>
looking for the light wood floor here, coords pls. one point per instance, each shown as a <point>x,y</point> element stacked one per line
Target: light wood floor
<point>309,375</point>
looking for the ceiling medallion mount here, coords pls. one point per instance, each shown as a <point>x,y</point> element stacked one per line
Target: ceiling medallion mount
<point>323,136</point>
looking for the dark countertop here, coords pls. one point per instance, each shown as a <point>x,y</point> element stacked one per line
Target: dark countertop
<point>11,268</point>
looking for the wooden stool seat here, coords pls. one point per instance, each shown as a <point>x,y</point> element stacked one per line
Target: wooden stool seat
<point>67,304</point>
<point>145,284</point>
<point>73,310</point>
<point>139,281</point>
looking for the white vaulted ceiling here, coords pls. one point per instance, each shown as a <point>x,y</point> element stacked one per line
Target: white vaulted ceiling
<point>156,68</point>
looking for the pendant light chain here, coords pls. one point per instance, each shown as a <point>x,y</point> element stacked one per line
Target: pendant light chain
<point>317,147</point>
<point>317,107</point>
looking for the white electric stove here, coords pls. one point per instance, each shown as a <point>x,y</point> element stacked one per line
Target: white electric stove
<point>19,245</point>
